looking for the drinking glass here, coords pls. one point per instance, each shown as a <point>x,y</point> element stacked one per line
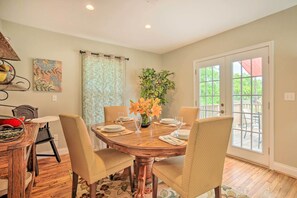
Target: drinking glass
<point>178,122</point>
<point>138,121</point>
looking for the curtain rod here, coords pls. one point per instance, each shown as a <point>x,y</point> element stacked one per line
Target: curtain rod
<point>105,55</point>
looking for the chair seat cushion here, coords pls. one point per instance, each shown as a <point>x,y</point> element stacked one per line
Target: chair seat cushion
<point>170,171</point>
<point>4,184</point>
<point>113,160</point>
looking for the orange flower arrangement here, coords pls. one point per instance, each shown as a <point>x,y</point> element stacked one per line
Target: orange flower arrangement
<point>146,108</point>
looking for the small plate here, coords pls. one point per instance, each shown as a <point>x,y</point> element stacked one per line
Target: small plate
<point>110,129</point>
<point>167,121</point>
<point>125,119</point>
<point>182,134</point>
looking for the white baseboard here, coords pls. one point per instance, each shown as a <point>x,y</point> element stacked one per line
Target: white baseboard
<point>63,151</point>
<point>283,168</point>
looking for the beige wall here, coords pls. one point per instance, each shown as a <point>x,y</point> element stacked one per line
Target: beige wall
<point>1,25</point>
<point>282,28</point>
<point>32,43</point>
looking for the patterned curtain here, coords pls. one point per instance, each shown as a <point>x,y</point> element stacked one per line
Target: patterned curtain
<point>103,85</point>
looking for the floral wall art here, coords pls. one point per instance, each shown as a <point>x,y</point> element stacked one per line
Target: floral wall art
<point>47,75</point>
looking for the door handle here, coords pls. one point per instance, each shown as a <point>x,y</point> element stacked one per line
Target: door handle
<point>222,111</point>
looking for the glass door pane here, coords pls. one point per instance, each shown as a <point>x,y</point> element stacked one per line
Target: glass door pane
<point>210,100</point>
<point>247,94</point>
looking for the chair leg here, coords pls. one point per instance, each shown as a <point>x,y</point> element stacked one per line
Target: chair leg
<point>74,184</point>
<point>32,162</point>
<point>111,177</point>
<point>131,178</point>
<point>36,165</point>
<point>93,190</point>
<point>53,145</point>
<point>218,192</point>
<point>155,186</point>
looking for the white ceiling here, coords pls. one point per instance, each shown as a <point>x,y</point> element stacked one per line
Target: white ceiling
<point>175,23</point>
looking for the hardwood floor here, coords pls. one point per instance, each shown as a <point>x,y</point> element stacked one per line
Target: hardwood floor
<point>54,180</point>
<point>257,181</point>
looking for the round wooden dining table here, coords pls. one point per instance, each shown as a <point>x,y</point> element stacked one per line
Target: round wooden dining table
<point>145,146</point>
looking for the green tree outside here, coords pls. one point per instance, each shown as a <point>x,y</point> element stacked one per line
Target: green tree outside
<point>244,85</point>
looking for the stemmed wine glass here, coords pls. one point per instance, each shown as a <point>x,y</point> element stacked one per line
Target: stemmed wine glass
<point>138,121</point>
<point>178,122</point>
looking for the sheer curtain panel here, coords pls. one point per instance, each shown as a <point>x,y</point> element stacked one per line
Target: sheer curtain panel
<point>103,85</point>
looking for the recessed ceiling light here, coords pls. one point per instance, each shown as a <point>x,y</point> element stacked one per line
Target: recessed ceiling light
<point>90,7</point>
<point>148,26</point>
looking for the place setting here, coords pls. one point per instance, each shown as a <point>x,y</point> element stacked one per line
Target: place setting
<point>178,136</point>
<point>113,130</point>
<point>182,134</point>
<point>170,122</point>
<point>121,119</point>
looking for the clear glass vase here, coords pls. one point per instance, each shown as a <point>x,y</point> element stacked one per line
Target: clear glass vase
<point>146,120</point>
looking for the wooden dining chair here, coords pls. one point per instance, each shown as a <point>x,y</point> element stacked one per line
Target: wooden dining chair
<point>111,112</point>
<point>201,169</point>
<point>189,114</point>
<point>90,165</point>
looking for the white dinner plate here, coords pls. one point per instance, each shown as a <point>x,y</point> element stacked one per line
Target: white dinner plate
<point>167,121</point>
<point>181,134</point>
<point>112,128</point>
<point>125,119</point>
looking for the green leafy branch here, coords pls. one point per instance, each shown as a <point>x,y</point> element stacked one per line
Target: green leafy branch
<point>156,84</point>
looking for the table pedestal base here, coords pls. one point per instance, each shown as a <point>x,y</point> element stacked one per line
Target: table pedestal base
<point>143,174</point>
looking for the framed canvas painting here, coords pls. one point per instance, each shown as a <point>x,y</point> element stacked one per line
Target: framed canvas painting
<point>47,75</point>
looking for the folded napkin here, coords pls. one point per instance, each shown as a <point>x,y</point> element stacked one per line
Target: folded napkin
<point>172,140</point>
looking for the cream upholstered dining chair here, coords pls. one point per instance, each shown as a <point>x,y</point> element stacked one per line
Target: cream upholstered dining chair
<point>201,169</point>
<point>90,165</point>
<point>111,112</point>
<point>189,114</point>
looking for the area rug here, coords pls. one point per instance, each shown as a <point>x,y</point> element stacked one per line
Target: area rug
<point>118,188</point>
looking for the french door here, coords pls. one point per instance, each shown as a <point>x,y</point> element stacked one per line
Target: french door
<point>237,84</point>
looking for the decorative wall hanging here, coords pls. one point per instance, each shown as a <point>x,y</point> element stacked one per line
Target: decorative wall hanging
<point>9,81</point>
<point>47,75</point>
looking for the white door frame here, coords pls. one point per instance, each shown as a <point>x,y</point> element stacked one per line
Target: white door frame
<point>270,124</point>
